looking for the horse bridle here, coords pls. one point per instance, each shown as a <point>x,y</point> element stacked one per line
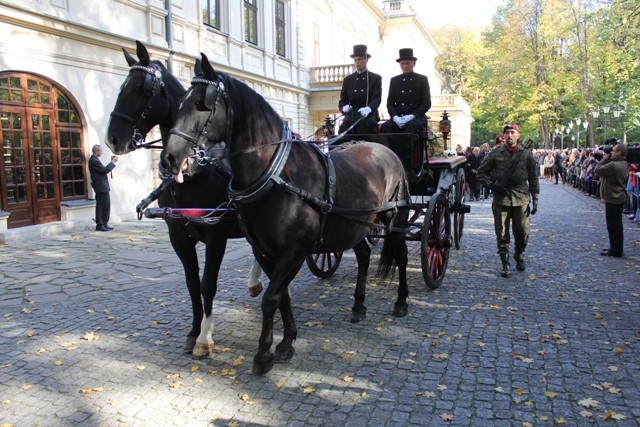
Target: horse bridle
<point>214,89</point>
<point>152,82</point>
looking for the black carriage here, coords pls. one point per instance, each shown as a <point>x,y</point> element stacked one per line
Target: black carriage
<point>437,187</point>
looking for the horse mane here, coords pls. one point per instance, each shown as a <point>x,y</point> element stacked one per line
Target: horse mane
<point>253,117</point>
<point>170,80</point>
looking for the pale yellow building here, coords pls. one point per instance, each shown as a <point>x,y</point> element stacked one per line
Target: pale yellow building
<point>61,66</point>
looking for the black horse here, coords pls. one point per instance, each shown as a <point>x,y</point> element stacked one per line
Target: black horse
<point>150,96</point>
<point>292,200</point>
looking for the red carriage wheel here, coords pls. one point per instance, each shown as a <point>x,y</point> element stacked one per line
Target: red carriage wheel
<point>436,241</point>
<point>460,210</point>
<point>324,264</point>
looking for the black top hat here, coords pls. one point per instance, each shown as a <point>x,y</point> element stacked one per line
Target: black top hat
<point>406,54</point>
<point>360,50</point>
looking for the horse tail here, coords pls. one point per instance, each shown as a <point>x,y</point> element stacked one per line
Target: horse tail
<point>387,263</point>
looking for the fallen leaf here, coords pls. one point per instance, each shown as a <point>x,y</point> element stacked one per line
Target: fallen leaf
<point>309,390</point>
<point>551,394</point>
<point>560,420</point>
<point>90,336</point>
<point>237,361</point>
<point>175,384</point>
<point>447,417</point>
<point>613,415</point>
<point>246,399</point>
<point>195,368</point>
<point>440,356</point>
<point>347,379</point>
<point>91,390</point>
<point>141,367</point>
<point>586,414</point>
<point>589,403</point>
<point>617,350</point>
<point>58,363</point>
<point>280,384</point>
<point>30,333</point>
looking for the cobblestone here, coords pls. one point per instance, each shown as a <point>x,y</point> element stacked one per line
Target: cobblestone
<point>92,327</point>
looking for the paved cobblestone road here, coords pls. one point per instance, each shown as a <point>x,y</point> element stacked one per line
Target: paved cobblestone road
<point>93,325</point>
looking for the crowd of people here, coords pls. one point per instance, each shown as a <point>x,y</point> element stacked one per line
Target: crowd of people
<point>575,167</point>
<point>569,166</point>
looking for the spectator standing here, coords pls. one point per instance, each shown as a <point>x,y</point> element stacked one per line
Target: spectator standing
<point>613,171</point>
<point>100,183</point>
<point>558,168</point>
<point>409,98</point>
<point>361,95</point>
<point>471,170</point>
<point>511,173</point>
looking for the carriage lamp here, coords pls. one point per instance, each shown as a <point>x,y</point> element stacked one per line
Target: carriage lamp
<point>445,128</point>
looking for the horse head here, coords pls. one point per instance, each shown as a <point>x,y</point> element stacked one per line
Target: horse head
<point>203,123</point>
<point>148,97</point>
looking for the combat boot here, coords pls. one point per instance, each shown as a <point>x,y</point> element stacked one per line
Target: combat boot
<point>519,261</point>
<point>505,265</point>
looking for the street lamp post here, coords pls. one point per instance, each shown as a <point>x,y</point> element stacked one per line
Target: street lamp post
<point>605,110</point>
<point>445,128</point>
<point>585,124</point>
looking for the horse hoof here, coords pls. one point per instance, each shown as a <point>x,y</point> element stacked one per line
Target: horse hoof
<point>400,310</point>
<point>256,290</point>
<point>201,351</point>
<point>357,316</point>
<point>189,344</point>
<point>264,366</point>
<point>284,356</point>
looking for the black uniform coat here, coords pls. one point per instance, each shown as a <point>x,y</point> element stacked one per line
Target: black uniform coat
<point>409,94</point>
<point>98,171</point>
<point>357,87</point>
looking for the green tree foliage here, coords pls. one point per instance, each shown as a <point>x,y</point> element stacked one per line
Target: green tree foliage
<point>544,63</point>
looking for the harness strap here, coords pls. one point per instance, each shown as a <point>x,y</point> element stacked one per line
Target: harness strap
<point>259,189</point>
<point>152,197</point>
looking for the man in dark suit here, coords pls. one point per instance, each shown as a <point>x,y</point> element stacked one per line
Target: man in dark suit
<point>409,98</point>
<point>100,184</point>
<point>361,95</point>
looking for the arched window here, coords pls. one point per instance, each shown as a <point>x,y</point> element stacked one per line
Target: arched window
<point>43,153</point>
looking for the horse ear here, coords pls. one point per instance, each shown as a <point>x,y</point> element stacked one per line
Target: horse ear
<point>197,68</point>
<point>209,72</point>
<point>143,54</point>
<point>129,58</point>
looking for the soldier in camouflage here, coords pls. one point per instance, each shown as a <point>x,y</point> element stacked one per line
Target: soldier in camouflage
<point>513,188</point>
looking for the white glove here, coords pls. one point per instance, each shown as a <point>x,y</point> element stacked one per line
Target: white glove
<point>346,108</point>
<point>398,120</point>
<point>408,118</point>
<point>365,111</point>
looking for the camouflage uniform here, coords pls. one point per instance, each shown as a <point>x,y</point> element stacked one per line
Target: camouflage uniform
<point>522,186</point>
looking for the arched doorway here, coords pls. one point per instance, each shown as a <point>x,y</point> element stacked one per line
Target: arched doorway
<point>43,153</point>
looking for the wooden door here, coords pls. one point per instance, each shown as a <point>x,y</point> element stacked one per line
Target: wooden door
<point>29,167</point>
